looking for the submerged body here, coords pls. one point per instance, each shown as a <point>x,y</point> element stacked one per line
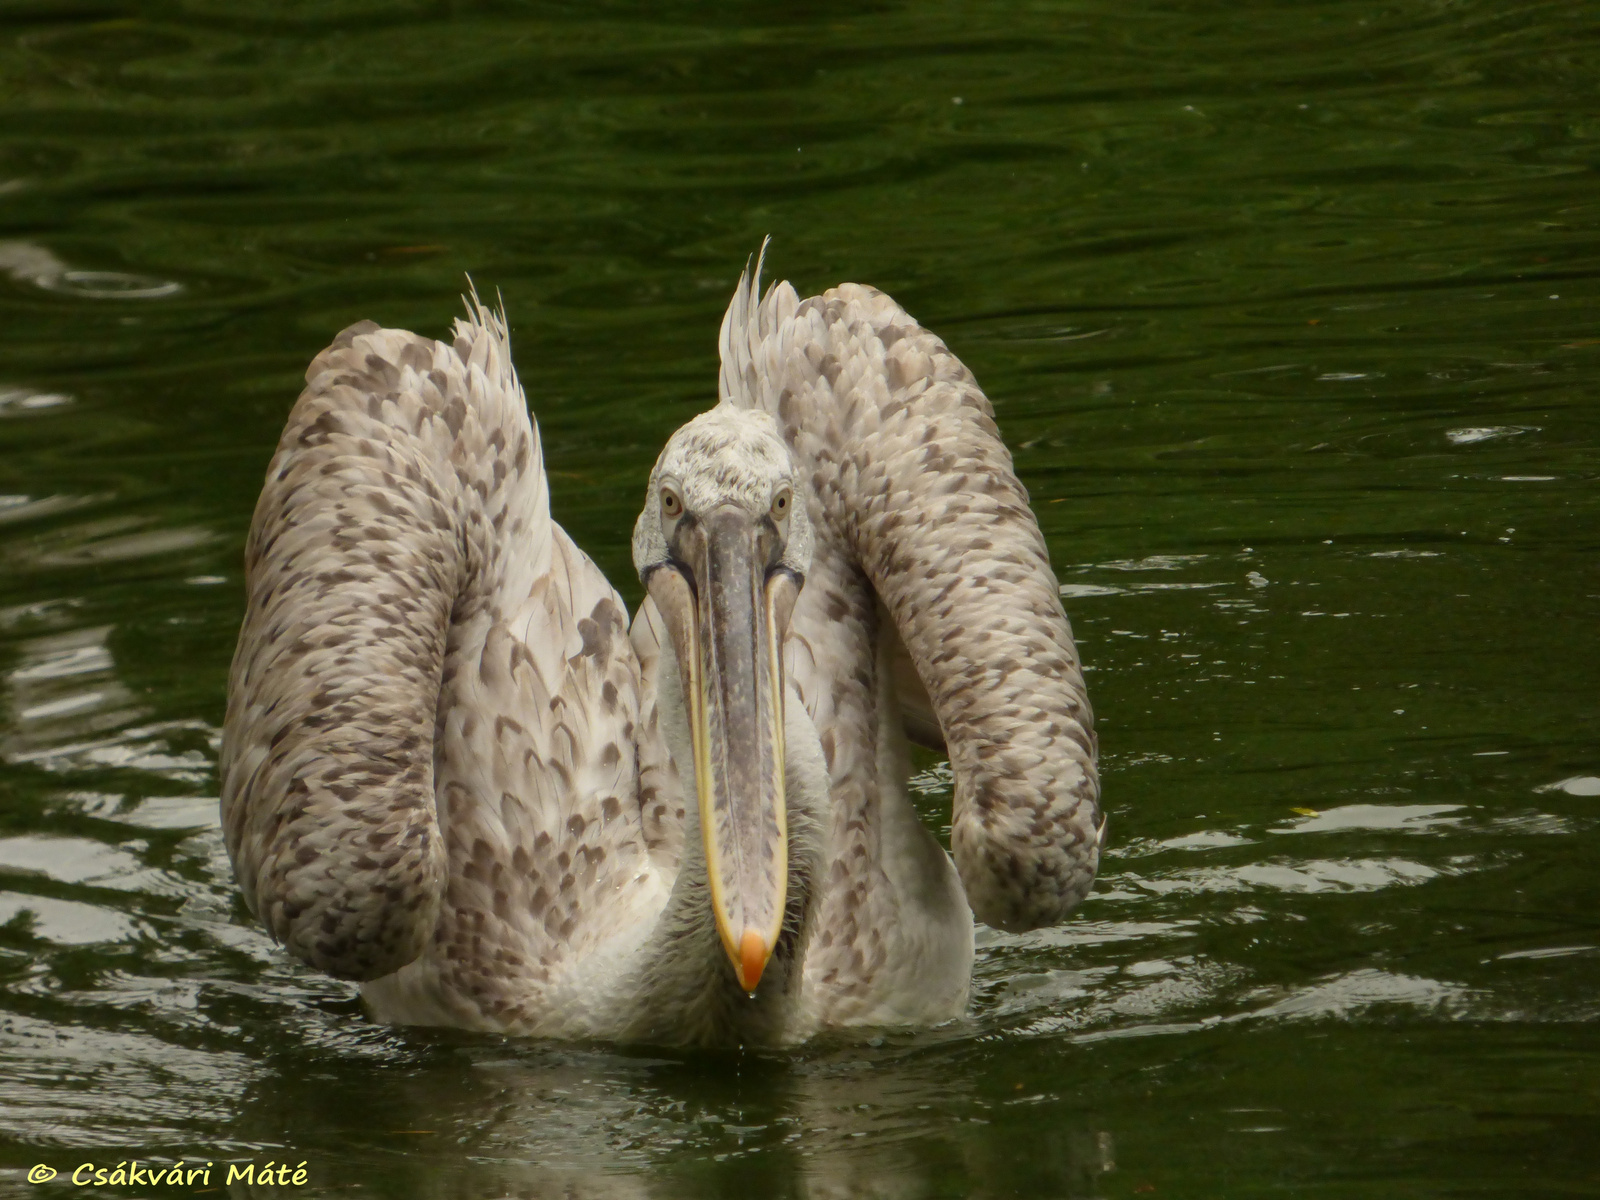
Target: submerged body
<point>454,771</point>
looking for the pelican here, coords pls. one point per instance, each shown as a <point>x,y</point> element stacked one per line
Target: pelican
<point>454,771</point>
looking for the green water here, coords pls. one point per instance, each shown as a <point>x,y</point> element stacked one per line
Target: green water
<point>1289,311</point>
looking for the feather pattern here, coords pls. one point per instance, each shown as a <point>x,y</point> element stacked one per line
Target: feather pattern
<point>430,773</point>
<point>449,767</point>
<point>916,501</point>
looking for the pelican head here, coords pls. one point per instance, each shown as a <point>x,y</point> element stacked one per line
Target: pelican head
<point>722,546</point>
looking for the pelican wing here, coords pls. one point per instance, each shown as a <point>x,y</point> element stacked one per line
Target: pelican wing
<point>917,509</point>
<point>429,755</point>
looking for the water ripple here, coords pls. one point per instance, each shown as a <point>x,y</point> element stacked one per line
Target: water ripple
<point>26,262</point>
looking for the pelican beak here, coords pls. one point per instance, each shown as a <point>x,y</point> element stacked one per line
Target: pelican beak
<point>727,615</point>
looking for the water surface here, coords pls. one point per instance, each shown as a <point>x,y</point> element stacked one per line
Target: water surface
<point>1288,311</point>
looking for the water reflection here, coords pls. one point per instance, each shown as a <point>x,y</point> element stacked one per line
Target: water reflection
<point>63,922</point>
<point>1578,785</point>
<point>1347,995</point>
<point>27,263</point>
<point>64,688</point>
<point>110,539</point>
<point>79,1086</point>
<point>16,401</point>
<point>547,1122</point>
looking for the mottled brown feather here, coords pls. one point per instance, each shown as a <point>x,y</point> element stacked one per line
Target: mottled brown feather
<point>916,503</point>
<point>443,770</point>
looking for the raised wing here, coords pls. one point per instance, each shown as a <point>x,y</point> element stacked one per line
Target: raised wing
<point>429,755</point>
<point>917,508</point>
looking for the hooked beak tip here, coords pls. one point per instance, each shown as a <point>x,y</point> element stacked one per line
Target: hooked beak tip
<point>753,955</point>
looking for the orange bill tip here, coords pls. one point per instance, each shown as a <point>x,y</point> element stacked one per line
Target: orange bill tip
<point>753,957</point>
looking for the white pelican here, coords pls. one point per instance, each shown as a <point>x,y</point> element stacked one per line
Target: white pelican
<point>450,771</point>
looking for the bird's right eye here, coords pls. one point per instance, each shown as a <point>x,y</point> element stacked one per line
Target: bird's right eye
<point>671,506</point>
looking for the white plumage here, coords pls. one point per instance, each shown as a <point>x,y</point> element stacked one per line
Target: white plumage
<point>451,770</point>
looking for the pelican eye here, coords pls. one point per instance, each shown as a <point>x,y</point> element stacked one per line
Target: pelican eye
<point>671,506</point>
<point>780,505</point>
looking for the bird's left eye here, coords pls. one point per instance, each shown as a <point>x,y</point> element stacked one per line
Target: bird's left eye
<point>780,505</point>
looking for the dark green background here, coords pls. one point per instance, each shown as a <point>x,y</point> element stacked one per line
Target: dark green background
<point>1288,310</point>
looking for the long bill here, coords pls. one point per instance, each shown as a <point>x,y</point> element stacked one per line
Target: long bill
<point>727,620</point>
